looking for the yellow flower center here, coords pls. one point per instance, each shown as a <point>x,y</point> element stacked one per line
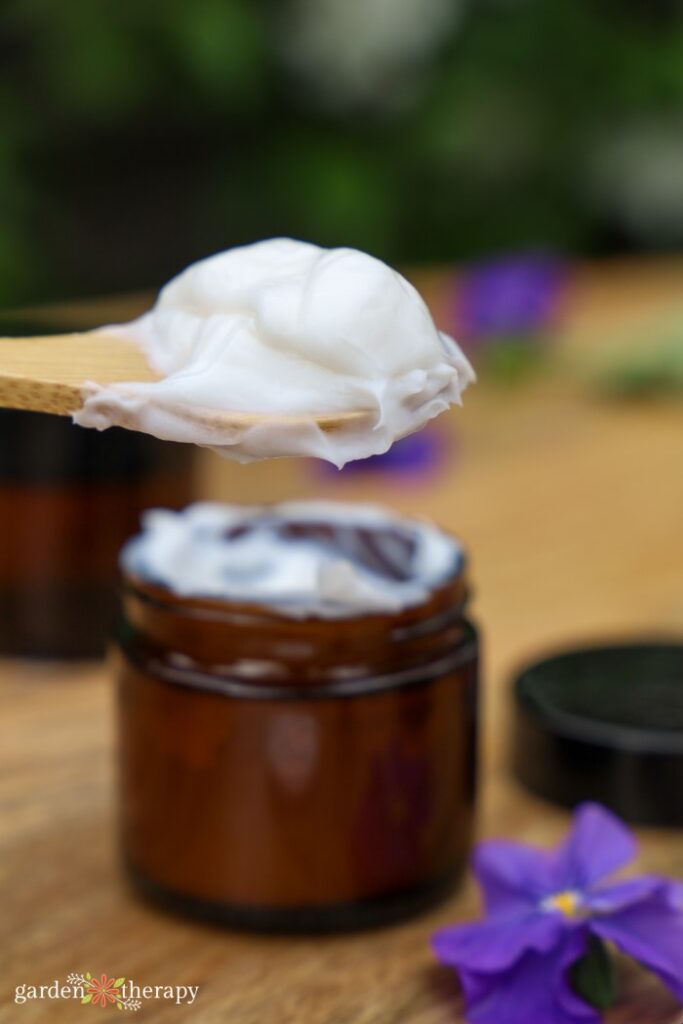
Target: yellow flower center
<point>568,903</point>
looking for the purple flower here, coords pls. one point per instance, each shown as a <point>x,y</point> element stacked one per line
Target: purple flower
<point>417,455</point>
<point>510,297</point>
<point>543,908</point>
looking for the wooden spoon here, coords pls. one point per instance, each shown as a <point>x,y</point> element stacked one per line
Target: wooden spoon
<point>47,375</point>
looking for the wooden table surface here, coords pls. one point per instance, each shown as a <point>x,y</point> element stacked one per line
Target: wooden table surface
<point>572,509</point>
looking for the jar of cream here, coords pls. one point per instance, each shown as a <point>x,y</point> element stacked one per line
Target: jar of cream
<point>297,714</point>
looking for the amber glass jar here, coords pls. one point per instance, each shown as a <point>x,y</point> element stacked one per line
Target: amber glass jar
<point>292,774</point>
<point>69,498</point>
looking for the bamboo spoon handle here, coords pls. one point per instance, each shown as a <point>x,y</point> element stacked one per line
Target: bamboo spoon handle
<point>47,374</point>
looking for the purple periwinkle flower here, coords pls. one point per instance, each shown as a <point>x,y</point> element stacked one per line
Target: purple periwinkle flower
<point>515,296</point>
<point>417,455</point>
<point>543,907</point>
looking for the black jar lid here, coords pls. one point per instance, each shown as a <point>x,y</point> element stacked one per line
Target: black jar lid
<point>606,724</point>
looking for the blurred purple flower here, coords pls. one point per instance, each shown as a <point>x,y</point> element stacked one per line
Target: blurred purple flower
<point>417,454</point>
<point>543,907</point>
<point>514,297</point>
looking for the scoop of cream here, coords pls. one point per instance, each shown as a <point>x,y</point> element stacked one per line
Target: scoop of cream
<point>319,558</point>
<point>285,330</point>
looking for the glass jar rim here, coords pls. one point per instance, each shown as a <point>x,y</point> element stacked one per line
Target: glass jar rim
<point>453,590</point>
<point>255,647</point>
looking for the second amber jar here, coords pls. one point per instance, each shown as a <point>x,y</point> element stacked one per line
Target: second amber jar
<point>290,774</point>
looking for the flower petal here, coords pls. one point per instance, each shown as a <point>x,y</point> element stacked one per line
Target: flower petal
<point>652,933</point>
<point>610,898</point>
<point>497,943</point>
<point>514,878</point>
<point>598,845</point>
<point>534,990</point>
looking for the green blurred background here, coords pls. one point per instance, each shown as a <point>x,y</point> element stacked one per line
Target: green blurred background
<point>138,135</point>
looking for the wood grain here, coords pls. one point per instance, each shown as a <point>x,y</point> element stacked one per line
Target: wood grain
<point>571,509</point>
<point>47,374</point>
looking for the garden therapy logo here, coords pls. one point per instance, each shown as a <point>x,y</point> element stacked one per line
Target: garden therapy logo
<point>106,991</point>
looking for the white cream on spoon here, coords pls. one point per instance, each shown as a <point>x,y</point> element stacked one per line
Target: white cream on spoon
<point>285,330</point>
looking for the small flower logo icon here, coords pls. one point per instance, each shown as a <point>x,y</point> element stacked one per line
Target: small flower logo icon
<point>103,991</point>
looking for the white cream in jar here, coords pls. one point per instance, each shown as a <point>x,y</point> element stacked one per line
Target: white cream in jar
<point>285,330</point>
<point>308,558</point>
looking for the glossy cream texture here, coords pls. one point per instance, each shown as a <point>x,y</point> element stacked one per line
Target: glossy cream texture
<point>285,329</point>
<point>356,559</point>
